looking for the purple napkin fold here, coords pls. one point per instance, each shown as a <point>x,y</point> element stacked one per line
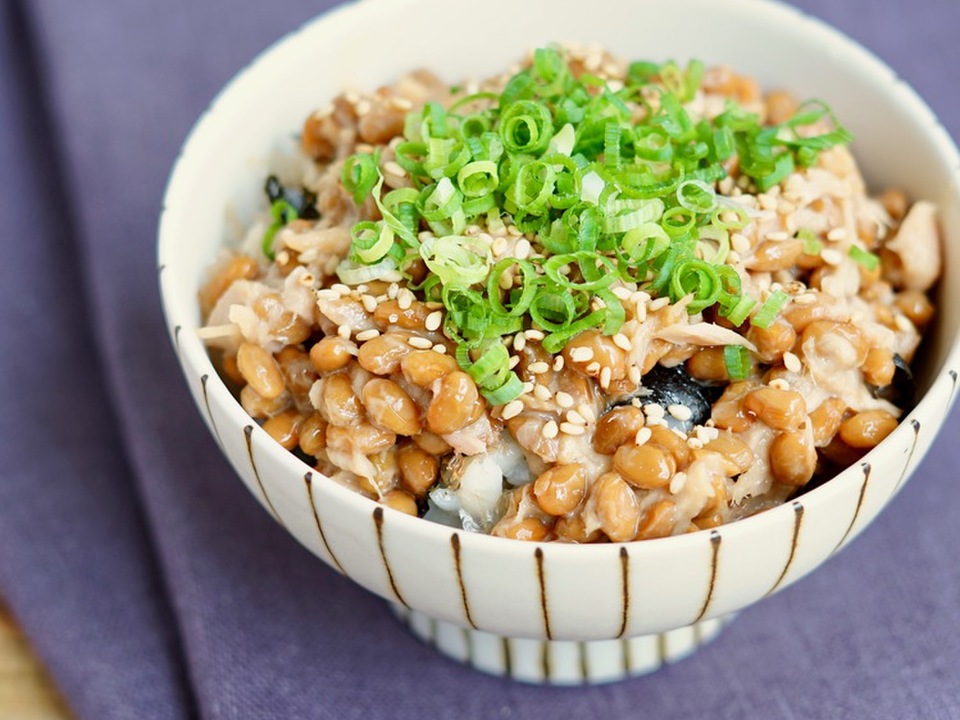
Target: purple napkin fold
<point>98,422</point>
<point>75,561</point>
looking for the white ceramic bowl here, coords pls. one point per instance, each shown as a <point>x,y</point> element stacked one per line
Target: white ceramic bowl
<point>524,608</point>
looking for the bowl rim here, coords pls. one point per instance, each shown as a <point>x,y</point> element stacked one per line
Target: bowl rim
<point>192,353</point>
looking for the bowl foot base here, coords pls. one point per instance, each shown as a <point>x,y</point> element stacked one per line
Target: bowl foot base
<point>560,662</point>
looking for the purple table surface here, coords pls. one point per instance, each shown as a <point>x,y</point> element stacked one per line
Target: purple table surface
<point>148,579</point>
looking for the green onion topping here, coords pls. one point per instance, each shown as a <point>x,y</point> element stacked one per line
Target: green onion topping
<point>770,309</point>
<point>607,183</point>
<point>867,260</point>
<point>736,358</point>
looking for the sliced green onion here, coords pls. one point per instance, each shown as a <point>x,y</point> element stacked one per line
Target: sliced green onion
<point>510,390</point>
<point>740,309</point>
<point>456,260</point>
<point>281,212</point>
<point>698,279</point>
<point>811,243</point>
<point>867,260</point>
<point>371,241</point>
<point>696,196</point>
<point>526,126</point>
<point>360,173</point>
<point>478,178</point>
<point>736,359</point>
<point>487,364</point>
<point>678,221</point>
<point>713,245</point>
<point>769,310</point>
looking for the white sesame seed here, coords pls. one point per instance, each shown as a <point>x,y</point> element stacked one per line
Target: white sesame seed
<point>777,236</point>
<point>534,335</point>
<point>622,342</point>
<point>659,304</point>
<point>593,368</point>
<point>640,312</point>
<point>519,342</point>
<point>541,392</point>
<point>558,363</point>
<point>739,242</point>
<point>622,292</point>
<point>367,335</point>
<point>643,434</point>
<point>707,434</point>
<point>694,443</point>
<point>393,168</point>
<point>581,354</point>
<point>513,361</point>
<point>341,288</point>
<point>433,320</point>
<point>393,318</point>
<point>564,400</point>
<point>576,418</point>
<point>506,281</point>
<point>405,299</point>
<point>571,429</point>
<point>421,343</point>
<point>805,299</point>
<point>677,482</point>
<point>791,362</point>
<point>369,303</point>
<point>680,412</point>
<point>587,412</point>
<point>779,384</point>
<point>528,387</point>
<point>903,323</point>
<point>439,348</point>
<point>837,234</point>
<point>633,374</point>
<point>538,368</point>
<point>653,410</point>
<point>550,430</point>
<point>606,374</point>
<point>401,103</point>
<point>344,331</point>
<point>521,250</point>
<point>512,409</point>
<point>831,256</point>
<point>499,246</point>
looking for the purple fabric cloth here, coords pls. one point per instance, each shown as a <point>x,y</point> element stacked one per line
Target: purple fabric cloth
<point>98,424</point>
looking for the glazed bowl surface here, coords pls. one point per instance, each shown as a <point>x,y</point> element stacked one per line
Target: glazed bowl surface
<point>505,587</point>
